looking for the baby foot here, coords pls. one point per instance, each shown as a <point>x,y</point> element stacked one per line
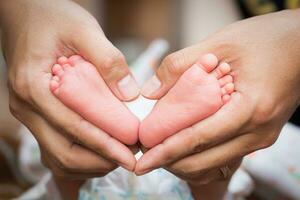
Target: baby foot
<point>201,91</point>
<point>78,85</point>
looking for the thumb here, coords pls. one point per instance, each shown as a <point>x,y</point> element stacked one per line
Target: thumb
<point>173,66</point>
<point>110,62</point>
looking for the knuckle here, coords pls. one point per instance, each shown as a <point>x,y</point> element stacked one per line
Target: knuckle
<point>200,143</point>
<point>24,86</point>
<point>113,67</point>
<point>66,163</point>
<point>199,147</point>
<point>113,60</point>
<point>269,140</point>
<point>264,111</point>
<point>108,168</point>
<point>185,173</point>
<point>168,155</point>
<point>175,62</point>
<point>44,161</point>
<point>18,83</point>
<point>199,140</point>
<point>76,130</point>
<point>14,108</point>
<point>54,168</point>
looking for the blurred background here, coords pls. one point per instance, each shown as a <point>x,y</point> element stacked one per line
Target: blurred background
<point>131,25</point>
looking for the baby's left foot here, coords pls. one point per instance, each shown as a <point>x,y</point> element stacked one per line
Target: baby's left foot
<point>201,91</point>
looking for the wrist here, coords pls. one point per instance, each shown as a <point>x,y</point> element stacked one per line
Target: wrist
<point>196,192</point>
<point>210,191</point>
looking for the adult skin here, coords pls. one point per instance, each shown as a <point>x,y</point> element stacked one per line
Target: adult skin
<point>34,34</point>
<point>264,54</point>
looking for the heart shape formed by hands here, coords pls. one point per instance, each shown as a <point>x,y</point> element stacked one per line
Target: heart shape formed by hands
<point>201,91</point>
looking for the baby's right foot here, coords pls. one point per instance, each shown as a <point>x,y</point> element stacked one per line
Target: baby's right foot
<point>78,85</point>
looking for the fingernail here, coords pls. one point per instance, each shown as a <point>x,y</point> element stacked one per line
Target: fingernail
<point>128,87</point>
<point>151,86</point>
<point>141,173</point>
<point>127,167</point>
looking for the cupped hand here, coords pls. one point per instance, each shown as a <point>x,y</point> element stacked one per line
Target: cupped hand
<point>264,55</point>
<point>34,34</point>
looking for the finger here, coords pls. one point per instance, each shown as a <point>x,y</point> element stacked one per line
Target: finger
<point>218,156</point>
<point>200,176</point>
<point>174,65</point>
<point>225,80</point>
<point>110,62</point>
<point>200,136</point>
<point>62,174</point>
<point>221,70</point>
<point>75,127</point>
<point>66,153</point>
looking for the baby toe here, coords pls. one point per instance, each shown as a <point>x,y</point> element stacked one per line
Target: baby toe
<point>56,78</point>
<point>226,98</point>
<point>228,88</point>
<point>57,70</point>
<point>226,79</point>
<point>75,59</point>
<point>208,62</point>
<point>62,60</point>
<point>54,85</point>
<point>221,70</point>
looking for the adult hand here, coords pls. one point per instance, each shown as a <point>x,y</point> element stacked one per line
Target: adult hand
<point>35,34</point>
<point>264,55</point>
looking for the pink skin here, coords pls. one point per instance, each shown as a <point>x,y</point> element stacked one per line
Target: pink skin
<point>78,85</point>
<point>201,91</point>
